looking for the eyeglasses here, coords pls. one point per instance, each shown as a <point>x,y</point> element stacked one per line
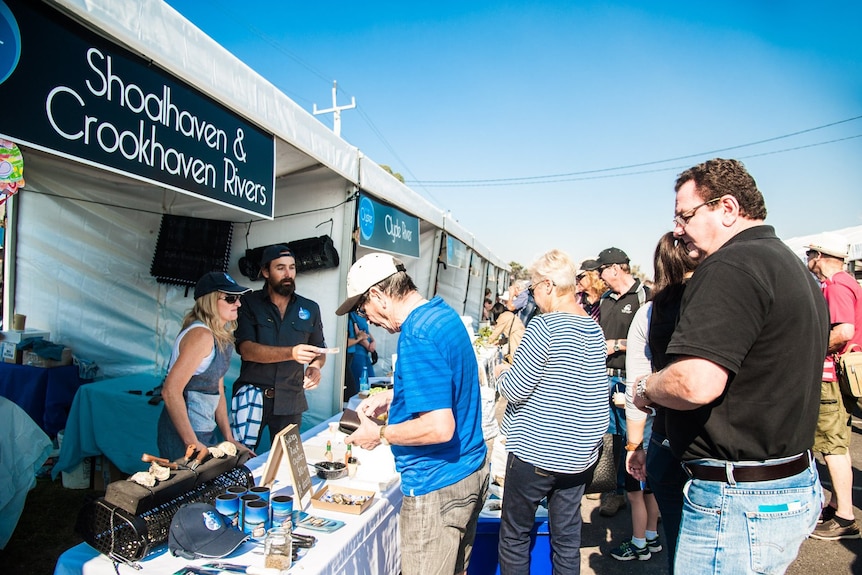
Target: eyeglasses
<point>811,253</point>
<point>602,268</point>
<point>533,286</point>
<point>230,298</point>
<point>682,219</point>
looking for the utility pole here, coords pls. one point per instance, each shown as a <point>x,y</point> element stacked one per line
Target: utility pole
<point>336,110</point>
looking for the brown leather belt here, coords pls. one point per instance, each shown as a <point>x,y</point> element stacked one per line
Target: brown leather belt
<point>743,474</point>
<point>268,392</point>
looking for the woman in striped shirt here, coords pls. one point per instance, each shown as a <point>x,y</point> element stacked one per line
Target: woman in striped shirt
<point>556,415</point>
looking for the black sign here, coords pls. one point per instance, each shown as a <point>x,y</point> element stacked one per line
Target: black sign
<point>68,91</point>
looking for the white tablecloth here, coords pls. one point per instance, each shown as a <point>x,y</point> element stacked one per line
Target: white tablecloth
<point>366,545</point>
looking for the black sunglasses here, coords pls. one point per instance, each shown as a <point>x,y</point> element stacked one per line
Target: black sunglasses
<point>230,298</point>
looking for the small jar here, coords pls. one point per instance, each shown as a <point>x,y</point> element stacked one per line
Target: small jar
<point>278,549</point>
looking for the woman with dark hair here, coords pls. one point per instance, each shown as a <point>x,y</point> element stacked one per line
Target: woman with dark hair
<point>194,387</point>
<point>649,336</point>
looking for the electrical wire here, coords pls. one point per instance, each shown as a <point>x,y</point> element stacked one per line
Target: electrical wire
<point>572,176</point>
<point>592,176</point>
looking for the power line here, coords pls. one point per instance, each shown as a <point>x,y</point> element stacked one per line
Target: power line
<point>557,177</point>
<point>583,176</point>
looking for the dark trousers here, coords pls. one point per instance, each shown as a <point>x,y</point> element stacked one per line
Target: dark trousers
<point>666,479</point>
<point>275,422</point>
<point>526,486</point>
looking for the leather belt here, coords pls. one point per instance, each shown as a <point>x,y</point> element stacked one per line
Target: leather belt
<point>614,372</point>
<point>744,474</point>
<point>268,392</point>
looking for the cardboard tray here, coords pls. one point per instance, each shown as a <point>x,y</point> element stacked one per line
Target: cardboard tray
<point>341,508</point>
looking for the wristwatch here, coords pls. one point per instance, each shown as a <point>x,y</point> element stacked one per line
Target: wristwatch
<point>383,439</point>
<point>634,446</point>
<point>640,387</point>
<point>617,346</point>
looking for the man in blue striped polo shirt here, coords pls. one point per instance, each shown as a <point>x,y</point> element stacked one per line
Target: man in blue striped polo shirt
<point>435,416</point>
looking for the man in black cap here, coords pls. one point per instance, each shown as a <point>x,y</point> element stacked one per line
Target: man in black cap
<point>279,336</point>
<point>617,309</point>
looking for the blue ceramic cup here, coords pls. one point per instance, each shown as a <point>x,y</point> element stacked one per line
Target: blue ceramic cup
<point>242,503</point>
<point>262,492</point>
<point>256,518</point>
<point>238,490</point>
<point>228,505</point>
<point>282,507</point>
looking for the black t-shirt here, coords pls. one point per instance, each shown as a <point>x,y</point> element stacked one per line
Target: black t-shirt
<point>616,315</point>
<point>663,318</point>
<point>753,308</point>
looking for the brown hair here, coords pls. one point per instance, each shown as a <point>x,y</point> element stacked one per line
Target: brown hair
<point>672,262</point>
<point>718,177</point>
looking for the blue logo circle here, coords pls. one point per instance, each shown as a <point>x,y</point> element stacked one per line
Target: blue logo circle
<point>366,218</point>
<point>10,42</point>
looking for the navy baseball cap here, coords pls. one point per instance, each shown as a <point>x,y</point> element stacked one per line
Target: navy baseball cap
<point>198,530</point>
<point>218,281</point>
<point>273,253</point>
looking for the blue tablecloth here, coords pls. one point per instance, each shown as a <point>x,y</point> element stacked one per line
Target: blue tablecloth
<point>106,419</point>
<point>46,394</point>
<point>24,448</point>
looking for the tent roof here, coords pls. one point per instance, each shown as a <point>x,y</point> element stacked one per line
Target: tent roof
<point>157,32</point>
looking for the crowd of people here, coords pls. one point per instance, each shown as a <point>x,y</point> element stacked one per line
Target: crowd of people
<point>695,375</point>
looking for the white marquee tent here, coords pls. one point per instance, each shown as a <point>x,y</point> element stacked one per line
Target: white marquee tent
<point>80,236</point>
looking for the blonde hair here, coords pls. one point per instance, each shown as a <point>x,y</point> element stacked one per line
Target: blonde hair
<point>557,266</point>
<point>597,285</point>
<point>205,311</point>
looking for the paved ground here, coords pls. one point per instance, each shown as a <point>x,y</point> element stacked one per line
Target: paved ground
<point>601,534</point>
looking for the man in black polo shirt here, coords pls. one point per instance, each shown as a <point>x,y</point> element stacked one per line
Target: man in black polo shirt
<point>744,388</point>
<point>617,308</point>
<point>279,334</point>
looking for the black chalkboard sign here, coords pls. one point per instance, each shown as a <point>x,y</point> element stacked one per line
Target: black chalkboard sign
<point>187,248</point>
<point>287,447</point>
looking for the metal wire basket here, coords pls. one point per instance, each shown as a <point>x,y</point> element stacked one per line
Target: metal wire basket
<point>128,538</point>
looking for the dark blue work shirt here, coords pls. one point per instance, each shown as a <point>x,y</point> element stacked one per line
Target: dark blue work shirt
<point>259,321</point>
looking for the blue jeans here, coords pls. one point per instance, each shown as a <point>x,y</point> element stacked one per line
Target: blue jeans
<point>753,527</point>
<point>526,486</point>
<point>666,479</point>
<point>617,427</point>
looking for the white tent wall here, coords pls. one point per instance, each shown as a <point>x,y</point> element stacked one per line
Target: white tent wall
<point>452,277</point>
<point>475,295</point>
<point>82,270</point>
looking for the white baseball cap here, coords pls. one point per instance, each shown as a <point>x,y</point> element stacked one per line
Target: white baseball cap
<point>367,271</point>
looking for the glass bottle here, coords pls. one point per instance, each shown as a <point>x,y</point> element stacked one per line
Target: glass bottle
<point>364,386</point>
<point>328,454</point>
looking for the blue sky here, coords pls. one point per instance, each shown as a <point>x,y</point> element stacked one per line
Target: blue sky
<point>553,98</point>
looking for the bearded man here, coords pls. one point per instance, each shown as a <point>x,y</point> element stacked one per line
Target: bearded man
<point>279,336</point>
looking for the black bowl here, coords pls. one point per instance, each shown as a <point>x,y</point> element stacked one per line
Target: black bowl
<point>330,469</point>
